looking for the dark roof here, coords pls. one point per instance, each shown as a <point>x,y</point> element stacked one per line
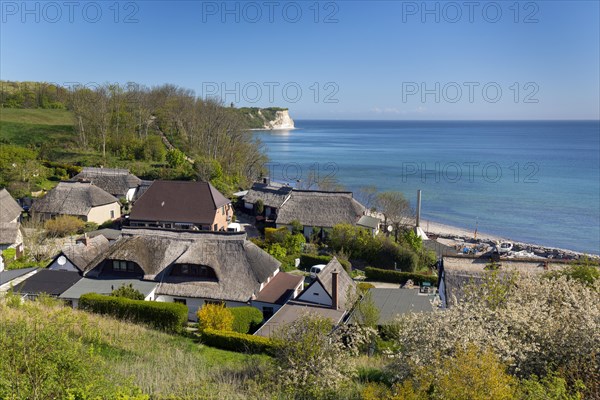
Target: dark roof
<point>106,286</point>
<point>272,194</point>
<point>293,310</point>
<point>52,282</point>
<point>322,209</point>
<point>178,201</point>
<point>72,198</point>
<point>10,210</point>
<point>280,288</point>
<point>81,255</point>
<point>7,276</point>
<point>394,302</point>
<point>240,266</point>
<point>114,181</point>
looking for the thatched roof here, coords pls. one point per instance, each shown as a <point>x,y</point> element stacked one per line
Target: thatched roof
<point>179,201</point>
<point>321,209</point>
<point>114,181</point>
<point>81,254</point>
<point>272,194</point>
<point>72,198</point>
<point>346,285</point>
<point>10,210</point>
<point>240,265</point>
<point>9,232</point>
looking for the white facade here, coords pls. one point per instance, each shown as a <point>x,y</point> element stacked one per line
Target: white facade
<point>316,293</point>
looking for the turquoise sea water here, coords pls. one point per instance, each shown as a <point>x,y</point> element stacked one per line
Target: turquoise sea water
<point>534,181</point>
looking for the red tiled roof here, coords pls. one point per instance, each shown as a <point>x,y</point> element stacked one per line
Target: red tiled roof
<point>280,288</point>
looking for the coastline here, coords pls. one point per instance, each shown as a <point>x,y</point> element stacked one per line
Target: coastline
<point>455,236</point>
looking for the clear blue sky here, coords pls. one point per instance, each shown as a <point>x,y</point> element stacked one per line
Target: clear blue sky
<point>375,58</point>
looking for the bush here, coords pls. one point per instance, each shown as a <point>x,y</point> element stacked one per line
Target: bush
<point>276,235</point>
<point>308,260</point>
<point>170,317</point>
<point>128,292</point>
<point>246,319</point>
<point>365,286</point>
<point>239,342</point>
<point>64,225</point>
<point>215,316</point>
<point>386,275</point>
<point>391,256</point>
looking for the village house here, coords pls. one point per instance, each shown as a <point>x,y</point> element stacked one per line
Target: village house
<point>330,295</point>
<point>10,278</point>
<point>319,211</point>
<point>79,199</point>
<point>118,182</point>
<point>182,205</point>
<point>196,268</point>
<point>45,281</point>
<point>272,195</point>
<point>11,236</point>
<point>76,256</point>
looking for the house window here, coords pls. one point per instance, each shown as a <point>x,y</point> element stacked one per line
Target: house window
<point>180,301</point>
<point>123,266</point>
<point>112,214</point>
<point>216,227</point>
<point>223,210</point>
<point>315,293</point>
<point>215,303</point>
<point>267,312</point>
<point>201,271</point>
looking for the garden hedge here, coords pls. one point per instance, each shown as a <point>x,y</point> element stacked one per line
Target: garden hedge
<point>239,342</point>
<point>246,319</point>
<point>386,275</point>
<point>170,317</point>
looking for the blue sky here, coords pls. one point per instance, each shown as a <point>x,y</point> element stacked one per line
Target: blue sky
<point>337,60</point>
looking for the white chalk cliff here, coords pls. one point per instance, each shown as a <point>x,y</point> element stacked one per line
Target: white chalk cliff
<point>282,121</point>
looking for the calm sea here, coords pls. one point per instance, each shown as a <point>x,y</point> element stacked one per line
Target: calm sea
<point>536,181</point>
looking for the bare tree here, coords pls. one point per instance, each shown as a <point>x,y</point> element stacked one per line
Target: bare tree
<point>396,210</point>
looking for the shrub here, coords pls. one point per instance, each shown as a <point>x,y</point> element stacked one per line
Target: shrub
<point>239,342</point>
<point>170,317</point>
<point>308,260</point>
<point>365,286</point>
<point>215,316</point>
<point>64,225</point>
<point>386,275</point>
<point>128,292</point>
<point>276,235</point>
<point>246,319</point>
<point>391,256</point>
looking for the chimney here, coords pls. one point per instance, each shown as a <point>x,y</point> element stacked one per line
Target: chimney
<point>418,208</point>
<point>334,290</point>
<point>85,239</point>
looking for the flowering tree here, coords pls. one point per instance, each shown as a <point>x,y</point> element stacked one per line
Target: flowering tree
<point>532,323</point>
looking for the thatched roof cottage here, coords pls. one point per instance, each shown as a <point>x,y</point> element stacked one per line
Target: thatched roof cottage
<point>118,182</point>
<point>79,199</point>
<point>194,268</point>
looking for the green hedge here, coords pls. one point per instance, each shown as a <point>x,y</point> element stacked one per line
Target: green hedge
<point>170,317</point>
<point>246,319</point>
<point>385,275</point>
<point>239,342</point>
<point>308,260</point>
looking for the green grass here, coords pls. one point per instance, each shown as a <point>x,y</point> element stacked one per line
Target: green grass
<point>159,364</point>
<point>36,116</point>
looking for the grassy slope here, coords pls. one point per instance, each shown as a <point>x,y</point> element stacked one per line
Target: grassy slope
<point>158,363</point>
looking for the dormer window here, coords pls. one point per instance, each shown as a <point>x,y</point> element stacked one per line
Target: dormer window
<point>125,267</point>
<point>193,270</point>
